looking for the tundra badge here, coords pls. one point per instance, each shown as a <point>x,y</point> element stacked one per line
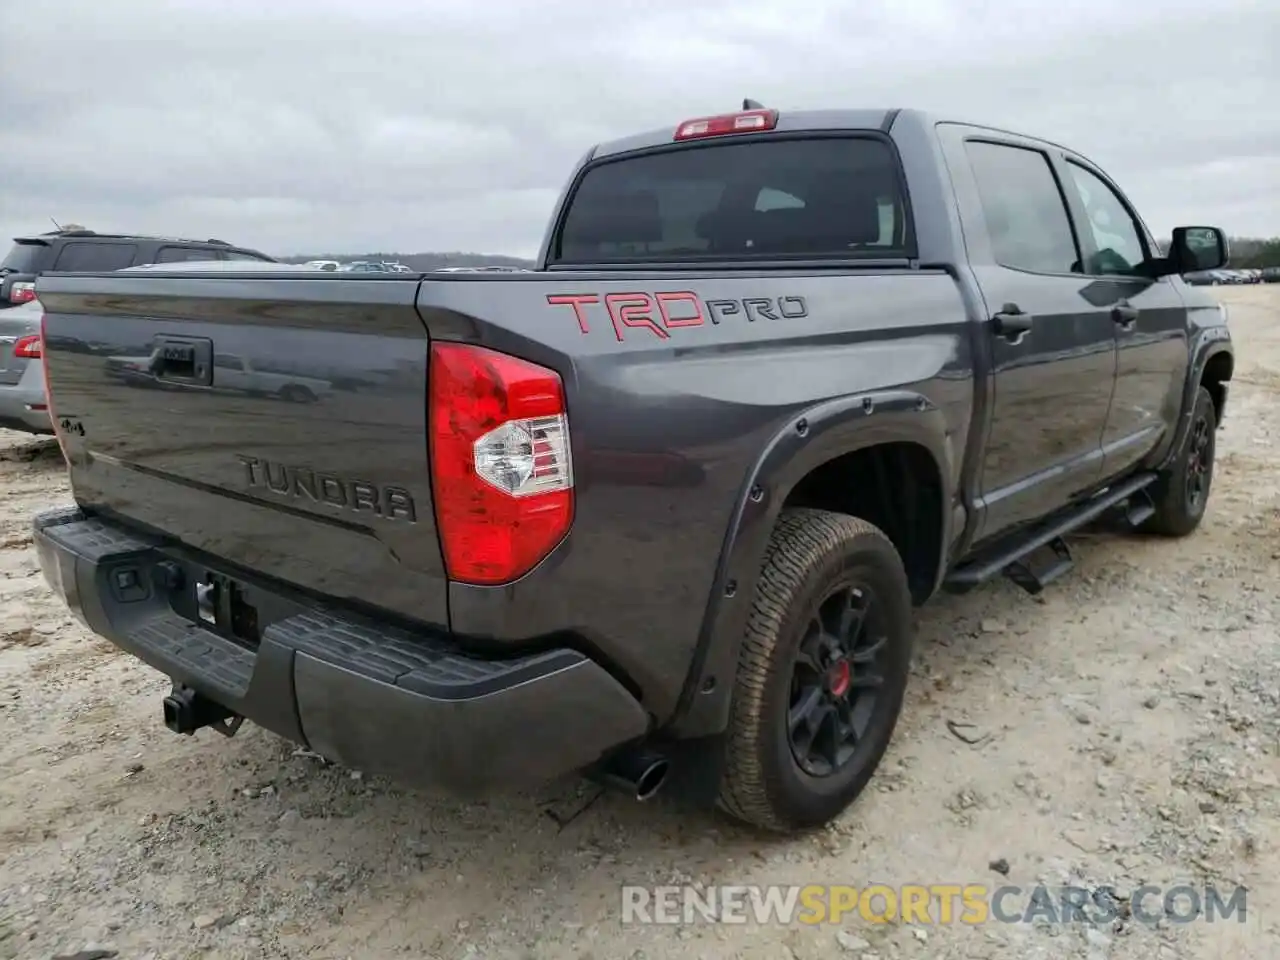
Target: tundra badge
<point>304,483</point>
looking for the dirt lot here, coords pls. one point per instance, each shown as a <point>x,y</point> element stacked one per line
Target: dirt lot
<point>1129,728</point>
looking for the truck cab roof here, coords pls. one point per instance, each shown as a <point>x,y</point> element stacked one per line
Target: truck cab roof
<point>863,118</point>
<point>788,120</point>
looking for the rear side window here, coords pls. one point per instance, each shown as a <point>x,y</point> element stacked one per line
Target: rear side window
<point>244,255</point>
<point>185,254</point>
<point>24,258</point>
<point>1024,208</point>
<point>824,197</point>
<point>86,255</point>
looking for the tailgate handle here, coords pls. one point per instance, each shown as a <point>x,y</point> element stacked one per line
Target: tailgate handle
<point>183,360</point>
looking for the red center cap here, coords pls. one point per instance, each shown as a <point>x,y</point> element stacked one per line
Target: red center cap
<point>838,678</point>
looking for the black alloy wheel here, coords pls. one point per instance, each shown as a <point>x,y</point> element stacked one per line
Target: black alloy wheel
<point>835,679</point>
<point>1198,464</point>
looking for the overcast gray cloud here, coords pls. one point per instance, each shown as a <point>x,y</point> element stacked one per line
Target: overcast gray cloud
<point>410,125</point>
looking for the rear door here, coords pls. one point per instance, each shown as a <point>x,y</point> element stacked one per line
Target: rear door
<point>1052,350</point>
<point>1149,317</point>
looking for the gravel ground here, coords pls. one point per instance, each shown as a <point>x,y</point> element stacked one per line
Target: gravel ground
<point>1128,728</point>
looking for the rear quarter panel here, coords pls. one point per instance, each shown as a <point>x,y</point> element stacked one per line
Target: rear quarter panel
<point>670,419</point>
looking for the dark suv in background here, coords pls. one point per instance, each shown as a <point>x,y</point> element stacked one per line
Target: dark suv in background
<point>78,251</point>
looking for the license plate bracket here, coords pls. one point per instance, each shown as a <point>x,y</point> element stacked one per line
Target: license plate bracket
<point>223,605</point>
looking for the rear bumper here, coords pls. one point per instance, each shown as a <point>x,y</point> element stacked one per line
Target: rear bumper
<point>382,699</point>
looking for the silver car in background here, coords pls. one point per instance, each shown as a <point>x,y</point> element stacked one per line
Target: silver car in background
<point>23,404</point>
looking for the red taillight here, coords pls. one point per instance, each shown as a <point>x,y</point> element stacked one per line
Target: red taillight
<point>501,466</point>
<point>749,121</point>
<point>22,293</point>
<point>28,348</point>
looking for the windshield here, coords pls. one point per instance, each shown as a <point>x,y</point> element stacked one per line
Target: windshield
<point>23,258</point>
<point>821,197</point>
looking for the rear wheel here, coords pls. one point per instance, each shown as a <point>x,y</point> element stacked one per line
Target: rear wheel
<point>822,672</point>
<point>1182,492</point>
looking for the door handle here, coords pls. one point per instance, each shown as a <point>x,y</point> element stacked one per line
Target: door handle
<point>1011,323</point>
<point>1125,315</point>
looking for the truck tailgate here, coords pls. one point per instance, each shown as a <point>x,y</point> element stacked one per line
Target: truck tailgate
<point>276,423</point>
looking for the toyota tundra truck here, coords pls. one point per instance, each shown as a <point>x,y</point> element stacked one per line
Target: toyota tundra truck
<point>660,509</point>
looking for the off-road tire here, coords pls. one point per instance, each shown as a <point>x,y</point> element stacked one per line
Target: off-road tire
<point>761,782</point>
<point>1176,513</point>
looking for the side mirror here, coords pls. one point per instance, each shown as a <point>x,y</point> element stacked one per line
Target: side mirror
<point>1198,248</point>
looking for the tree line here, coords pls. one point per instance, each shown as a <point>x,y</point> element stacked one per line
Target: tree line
<point>1254,252</point>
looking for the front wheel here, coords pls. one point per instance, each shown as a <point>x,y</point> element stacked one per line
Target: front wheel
<point>1182,492</point>
<point>822,672</point>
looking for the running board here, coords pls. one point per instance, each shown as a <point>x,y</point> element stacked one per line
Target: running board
<point>1014,559</point>
<point>1032,578</point>
<point>1140,509</point>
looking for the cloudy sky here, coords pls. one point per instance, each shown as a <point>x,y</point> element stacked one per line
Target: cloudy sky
<point>301,126</point>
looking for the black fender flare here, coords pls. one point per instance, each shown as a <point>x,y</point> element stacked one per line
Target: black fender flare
<point>1212,341</point>
<point>809,439</point>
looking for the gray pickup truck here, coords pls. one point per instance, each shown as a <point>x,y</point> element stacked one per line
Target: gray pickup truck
<point>658,510</point>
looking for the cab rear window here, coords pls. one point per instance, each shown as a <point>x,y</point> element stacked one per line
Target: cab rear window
<point>828,197</point>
